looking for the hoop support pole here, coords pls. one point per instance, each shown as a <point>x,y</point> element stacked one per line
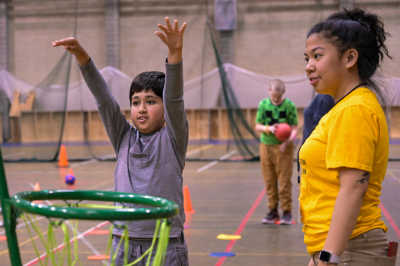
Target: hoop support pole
<point>9,217</point>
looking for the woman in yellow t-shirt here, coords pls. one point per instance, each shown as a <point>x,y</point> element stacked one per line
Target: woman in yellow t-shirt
<point>345,158</point>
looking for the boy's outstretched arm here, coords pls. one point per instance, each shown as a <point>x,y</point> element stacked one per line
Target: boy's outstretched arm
<point>172,36</point>
<point>114,121</point>
<point>174,110</point>
<point>72,45</point>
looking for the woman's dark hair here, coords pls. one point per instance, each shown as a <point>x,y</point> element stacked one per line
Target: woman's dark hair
<point>145,81</point>
<point>359,30</point>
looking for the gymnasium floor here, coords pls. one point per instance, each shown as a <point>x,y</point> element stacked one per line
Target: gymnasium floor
<point>228,198</point>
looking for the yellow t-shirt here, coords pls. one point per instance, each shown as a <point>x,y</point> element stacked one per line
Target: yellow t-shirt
<point>353,134</point>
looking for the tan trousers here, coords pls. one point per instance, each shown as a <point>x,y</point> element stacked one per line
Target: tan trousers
<point>277,168</point>
<point>368,249</point>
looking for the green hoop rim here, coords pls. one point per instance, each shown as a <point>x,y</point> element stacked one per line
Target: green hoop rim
<point>160,207</point>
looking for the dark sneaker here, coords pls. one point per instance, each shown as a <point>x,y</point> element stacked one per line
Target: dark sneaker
<point>286,218</point>
<point>271,218</point>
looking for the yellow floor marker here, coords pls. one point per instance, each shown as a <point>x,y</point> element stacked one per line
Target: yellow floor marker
<point>228,237</point>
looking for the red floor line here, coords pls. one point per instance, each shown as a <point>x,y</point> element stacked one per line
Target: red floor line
<point>242,225</point>
<point>390,220</point>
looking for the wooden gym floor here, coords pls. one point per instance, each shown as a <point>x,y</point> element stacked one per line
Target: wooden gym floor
<point>227,198</point>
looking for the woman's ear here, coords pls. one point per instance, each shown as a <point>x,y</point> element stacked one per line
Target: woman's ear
<point>350,57</point>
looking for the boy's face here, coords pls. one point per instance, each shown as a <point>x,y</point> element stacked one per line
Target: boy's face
<point>147,111</point>
<point>275,94</point>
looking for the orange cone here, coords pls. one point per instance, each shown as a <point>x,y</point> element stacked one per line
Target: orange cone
<point>188,220</point>
<point>187,202</point>
<point>63,158</point>
<point>36,187</point>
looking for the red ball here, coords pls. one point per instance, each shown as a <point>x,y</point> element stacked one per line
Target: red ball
<point>282,131</point>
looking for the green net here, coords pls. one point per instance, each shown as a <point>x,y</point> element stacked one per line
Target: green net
<point>59,244</point>
<point>245,140</point>
<point>62,209</point>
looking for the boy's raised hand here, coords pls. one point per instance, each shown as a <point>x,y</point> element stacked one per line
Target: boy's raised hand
<point>72,45</point>
<point>172,36</point>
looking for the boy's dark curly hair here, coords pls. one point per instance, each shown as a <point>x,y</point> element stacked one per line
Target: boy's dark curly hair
<point>150,80</point>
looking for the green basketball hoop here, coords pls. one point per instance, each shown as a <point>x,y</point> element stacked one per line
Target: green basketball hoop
<point>155,208</point>
<point>162,208</point>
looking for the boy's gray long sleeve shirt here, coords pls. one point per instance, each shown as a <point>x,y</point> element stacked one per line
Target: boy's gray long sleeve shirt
<point>146,164</point>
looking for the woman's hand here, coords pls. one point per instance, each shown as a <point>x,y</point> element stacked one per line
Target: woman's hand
<point>320,263</point>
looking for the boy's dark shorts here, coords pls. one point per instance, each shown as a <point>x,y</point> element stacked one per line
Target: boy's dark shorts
<point>177,252</point>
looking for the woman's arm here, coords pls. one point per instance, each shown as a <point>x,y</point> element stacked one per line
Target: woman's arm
<point>353,186</point>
